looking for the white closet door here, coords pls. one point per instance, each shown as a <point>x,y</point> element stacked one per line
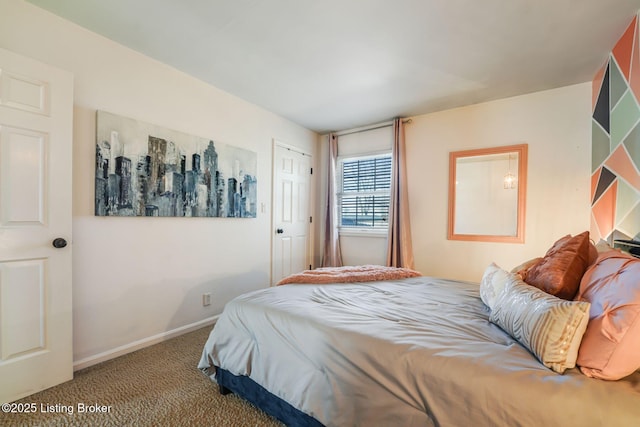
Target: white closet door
<point>36,116</point>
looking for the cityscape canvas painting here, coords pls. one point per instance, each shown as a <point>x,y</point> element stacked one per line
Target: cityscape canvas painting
<point>147,170</point>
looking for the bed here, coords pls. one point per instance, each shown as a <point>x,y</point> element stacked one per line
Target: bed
<point>418,351</point>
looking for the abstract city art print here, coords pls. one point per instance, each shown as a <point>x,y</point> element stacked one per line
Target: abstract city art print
<point>148,170</point>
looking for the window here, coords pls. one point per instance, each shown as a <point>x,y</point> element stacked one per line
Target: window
<point>364,190</point>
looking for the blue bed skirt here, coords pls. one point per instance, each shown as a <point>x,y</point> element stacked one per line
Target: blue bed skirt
<point>249,390</point>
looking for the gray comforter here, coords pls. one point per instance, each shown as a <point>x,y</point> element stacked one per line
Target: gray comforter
<point>414,352</point>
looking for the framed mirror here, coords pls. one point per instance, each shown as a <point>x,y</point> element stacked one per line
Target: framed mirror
<point>487,194</point>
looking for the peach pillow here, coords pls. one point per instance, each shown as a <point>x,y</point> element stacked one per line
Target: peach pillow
<point>560,271</point>
<point>610,347</point>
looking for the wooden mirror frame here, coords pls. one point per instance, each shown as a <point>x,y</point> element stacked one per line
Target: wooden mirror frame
<point>521,150</point>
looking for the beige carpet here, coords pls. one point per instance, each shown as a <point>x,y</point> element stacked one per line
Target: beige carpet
<point>156,386</point>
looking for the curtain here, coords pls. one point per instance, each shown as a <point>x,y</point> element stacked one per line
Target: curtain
<point>331,256</point>
<point>399,249</point>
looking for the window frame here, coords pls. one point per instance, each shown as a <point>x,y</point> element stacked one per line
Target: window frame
<point>360,230</point>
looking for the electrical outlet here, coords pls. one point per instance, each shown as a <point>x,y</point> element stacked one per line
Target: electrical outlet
<point>206,299</point>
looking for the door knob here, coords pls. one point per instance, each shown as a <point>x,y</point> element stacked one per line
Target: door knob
<point>279,231</point>
<point>59,243</point>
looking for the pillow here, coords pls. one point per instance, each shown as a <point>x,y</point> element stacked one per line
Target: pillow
<point>550,327</point>
<point>562,267</point>
<point>493,280</point>
<point>610,349</point>
<point>524,268</point>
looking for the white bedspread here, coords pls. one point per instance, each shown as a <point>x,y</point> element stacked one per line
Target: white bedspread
<point>413,352</point>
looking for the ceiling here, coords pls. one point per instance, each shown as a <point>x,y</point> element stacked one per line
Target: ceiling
<point>331,65</point>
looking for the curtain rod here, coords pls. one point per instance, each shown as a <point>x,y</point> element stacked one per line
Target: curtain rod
<point>365,129</point>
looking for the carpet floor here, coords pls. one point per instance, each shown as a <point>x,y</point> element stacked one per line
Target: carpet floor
<point>157,386</point>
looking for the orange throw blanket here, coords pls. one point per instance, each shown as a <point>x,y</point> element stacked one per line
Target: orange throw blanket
<point>349,274</point>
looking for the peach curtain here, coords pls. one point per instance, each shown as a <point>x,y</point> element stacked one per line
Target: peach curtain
<point>399,248</point>
<point>332,256</point>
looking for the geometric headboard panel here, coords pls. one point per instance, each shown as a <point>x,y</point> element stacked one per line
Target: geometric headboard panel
<point>615,152</point>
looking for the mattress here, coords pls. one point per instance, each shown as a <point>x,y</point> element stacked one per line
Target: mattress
<point>411,352</point>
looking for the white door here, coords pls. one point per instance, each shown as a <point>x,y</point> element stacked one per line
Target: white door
<point>36,116</point>
<point>291,219</point>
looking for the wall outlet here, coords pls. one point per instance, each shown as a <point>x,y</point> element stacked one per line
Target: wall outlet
<point>206,299</point>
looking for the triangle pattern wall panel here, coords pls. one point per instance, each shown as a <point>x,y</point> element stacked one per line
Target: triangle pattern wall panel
<point>615,152</point>
<point>623,50</point>
<point>617,84</point>
<point>624,117</point>
<point>623,167</point>
<point>632,145</point>
<point>600,146</point>
<point>604,209</point>
<point>605,179</point>
<point>595,85</point>
<point>602,114</point>
<point>634,78</point>
<point>626,202</point>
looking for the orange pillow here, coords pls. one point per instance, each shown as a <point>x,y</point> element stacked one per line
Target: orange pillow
<point>560,271</point>
<point>610,347</point>
<point>523,269</point>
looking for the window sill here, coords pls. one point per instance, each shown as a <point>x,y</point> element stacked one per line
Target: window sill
<point>349,232</point>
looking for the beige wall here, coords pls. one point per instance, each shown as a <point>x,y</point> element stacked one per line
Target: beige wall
<point>135,280</point>
<point>555,124</point>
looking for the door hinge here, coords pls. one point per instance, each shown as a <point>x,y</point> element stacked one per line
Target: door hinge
<point>310,220</point>
<point>311,171</point>
<point>309,266</point>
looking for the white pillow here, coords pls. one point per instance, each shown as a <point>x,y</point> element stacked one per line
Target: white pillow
<point>493,280</point>
<point>549,327</point>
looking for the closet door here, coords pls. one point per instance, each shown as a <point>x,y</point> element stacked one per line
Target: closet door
<point>36,116</point>
<point>291,207</point>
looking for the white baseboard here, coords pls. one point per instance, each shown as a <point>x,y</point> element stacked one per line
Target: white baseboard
<point>139,344</point>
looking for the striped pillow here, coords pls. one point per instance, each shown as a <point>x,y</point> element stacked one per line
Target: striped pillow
<point>550,327</point>
<point>493,280</point>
